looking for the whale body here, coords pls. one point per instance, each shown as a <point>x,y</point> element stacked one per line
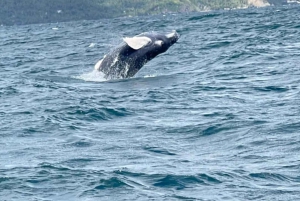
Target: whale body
<point>129,57</point>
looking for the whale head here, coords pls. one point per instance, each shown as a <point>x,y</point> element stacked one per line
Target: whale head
<point>162,42</point>
<point>172,37</point>
<point>152,44</point>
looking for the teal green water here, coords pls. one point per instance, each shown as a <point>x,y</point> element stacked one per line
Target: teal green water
<point>214,118</point>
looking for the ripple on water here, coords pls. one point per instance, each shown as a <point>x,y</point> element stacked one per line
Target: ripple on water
<point>216,117</point>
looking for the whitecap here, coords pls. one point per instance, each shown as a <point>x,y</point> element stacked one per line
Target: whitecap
<point>92,45</point>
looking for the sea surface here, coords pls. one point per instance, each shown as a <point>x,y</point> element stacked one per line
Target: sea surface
<point>215,118</point>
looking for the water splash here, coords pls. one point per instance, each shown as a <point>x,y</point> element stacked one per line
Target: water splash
<point>94,76</point>
<point>151,75</point>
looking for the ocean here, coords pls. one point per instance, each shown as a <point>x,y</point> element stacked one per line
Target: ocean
<point>215,118</point>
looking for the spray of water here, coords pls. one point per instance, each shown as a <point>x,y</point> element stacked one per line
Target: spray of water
<point>94,76</point>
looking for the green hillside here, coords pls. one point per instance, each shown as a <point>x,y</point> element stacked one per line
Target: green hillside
<point>44,11</point>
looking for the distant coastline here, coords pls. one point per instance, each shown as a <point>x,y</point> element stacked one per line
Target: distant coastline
<point>16,12</point>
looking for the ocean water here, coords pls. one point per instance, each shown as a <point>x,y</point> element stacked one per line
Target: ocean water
<point>216,117</point>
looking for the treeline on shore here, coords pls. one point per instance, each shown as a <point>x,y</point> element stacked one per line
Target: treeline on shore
<point>45,11</point>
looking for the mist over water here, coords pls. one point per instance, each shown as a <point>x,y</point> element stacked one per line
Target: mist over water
<point>216,117</point>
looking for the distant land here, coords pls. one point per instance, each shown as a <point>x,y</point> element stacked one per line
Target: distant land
<point>20,12</point>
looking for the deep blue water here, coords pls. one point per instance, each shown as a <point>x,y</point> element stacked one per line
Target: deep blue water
<point>214,118</point>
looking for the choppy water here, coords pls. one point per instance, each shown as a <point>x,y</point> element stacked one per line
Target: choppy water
<point>214,118</point>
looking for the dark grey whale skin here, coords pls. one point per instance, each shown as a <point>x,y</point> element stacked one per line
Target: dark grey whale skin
<point>125,62</point>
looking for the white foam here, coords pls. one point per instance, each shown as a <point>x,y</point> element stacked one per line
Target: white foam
<point>126,68</point>
<point>115,60</point>
<point>149,76</point>
<point>94,76</point>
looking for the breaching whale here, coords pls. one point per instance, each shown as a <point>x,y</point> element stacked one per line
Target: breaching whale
<point>129,57</point>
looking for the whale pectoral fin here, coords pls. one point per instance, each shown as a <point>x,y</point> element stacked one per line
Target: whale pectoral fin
<point>98,64</point>
<point>137,42</point>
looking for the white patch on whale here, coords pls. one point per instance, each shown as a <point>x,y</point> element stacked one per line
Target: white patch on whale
<point>171,35</point>
<point>98,64</point>
<point>137,42</point>
<point>159,42</point>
